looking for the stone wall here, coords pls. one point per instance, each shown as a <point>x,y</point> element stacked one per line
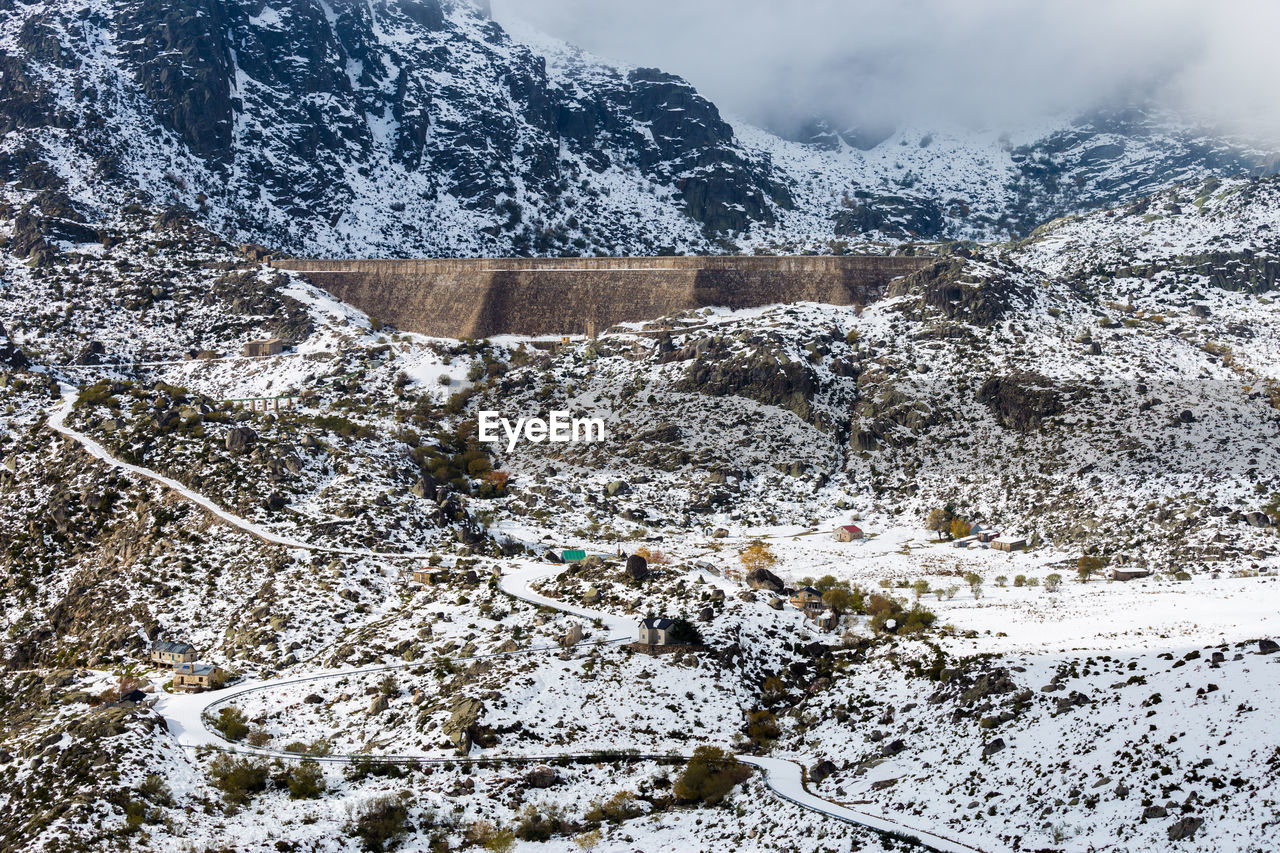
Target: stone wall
<point>482,297</point>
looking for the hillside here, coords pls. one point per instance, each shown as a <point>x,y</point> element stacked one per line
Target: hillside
<point>1104,388</point>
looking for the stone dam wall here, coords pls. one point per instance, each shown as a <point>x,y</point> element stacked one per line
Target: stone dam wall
<point>483,297</point>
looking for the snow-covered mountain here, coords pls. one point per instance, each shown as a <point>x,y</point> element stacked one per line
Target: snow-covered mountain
<point>421,127</point>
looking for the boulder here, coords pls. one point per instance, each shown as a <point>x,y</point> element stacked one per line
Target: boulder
<point>1268,647</point>
<point>764,579</point>
<point>1258,519</point>
<point>993,747</point>
<point>637,567</point>
<point>572,637</point>
<point>240,439</point>
<point>706,614</point>
<point>1185,829</point>
<point>541,776</point>
<point>994,683</point>
<point>720,533</point>
<point>821,770</point>
<point>378,705</point>
<point>892,748</point>
<point>592,596</point>
<point>425,488</point>
<point>275,502</point>
<point>1153,812</point>
<point>617,487</point>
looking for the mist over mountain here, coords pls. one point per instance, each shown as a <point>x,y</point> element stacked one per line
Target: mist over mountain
<point>986,64</point>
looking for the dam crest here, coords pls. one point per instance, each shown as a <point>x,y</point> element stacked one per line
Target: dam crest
<point>483,297</point>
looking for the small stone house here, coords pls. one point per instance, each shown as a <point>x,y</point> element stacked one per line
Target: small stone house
<point>431,576</point>
<point>257,349</point>
<point>654,630</point>
<point>847,533</point>
<point>172,654</point>
<point>808,599</point>
<point>1009,543</point>
<point>1129,574</point>
<point>194,677</point>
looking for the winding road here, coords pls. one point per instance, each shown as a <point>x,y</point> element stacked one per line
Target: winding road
<point>185,714</point>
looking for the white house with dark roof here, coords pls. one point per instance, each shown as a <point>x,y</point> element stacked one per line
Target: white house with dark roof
<point>653,631</point>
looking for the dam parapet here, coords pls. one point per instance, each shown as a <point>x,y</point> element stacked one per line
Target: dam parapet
<point>483,297</point>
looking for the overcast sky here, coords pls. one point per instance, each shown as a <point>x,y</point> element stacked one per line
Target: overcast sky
<point>987,62</point>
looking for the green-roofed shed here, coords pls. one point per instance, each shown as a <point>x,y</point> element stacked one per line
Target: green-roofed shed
<point>573,555</point>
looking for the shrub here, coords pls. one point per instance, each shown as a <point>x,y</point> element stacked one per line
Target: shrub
<point>232,724</point>
<point>238,779</point>
<point>709,776</point>
<point>1052,582</point>
<point>484,834</point>
<point>1019,580</point>
<point>762,727</point>
<point>380,823</point>
<point>306,781</point>
<point>621,806</point>
<point>757,555</point>
<point>156,790</point>
<point>365,766</point>
<point>684,631</point>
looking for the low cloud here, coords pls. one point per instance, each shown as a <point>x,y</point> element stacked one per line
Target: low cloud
<point>989,63</point>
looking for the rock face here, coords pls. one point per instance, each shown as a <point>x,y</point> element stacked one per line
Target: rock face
<point>460,727</point>
<point>469,116</point>
<point>764,579</point>
<point>1021,401</point>
<point>10,355</point>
